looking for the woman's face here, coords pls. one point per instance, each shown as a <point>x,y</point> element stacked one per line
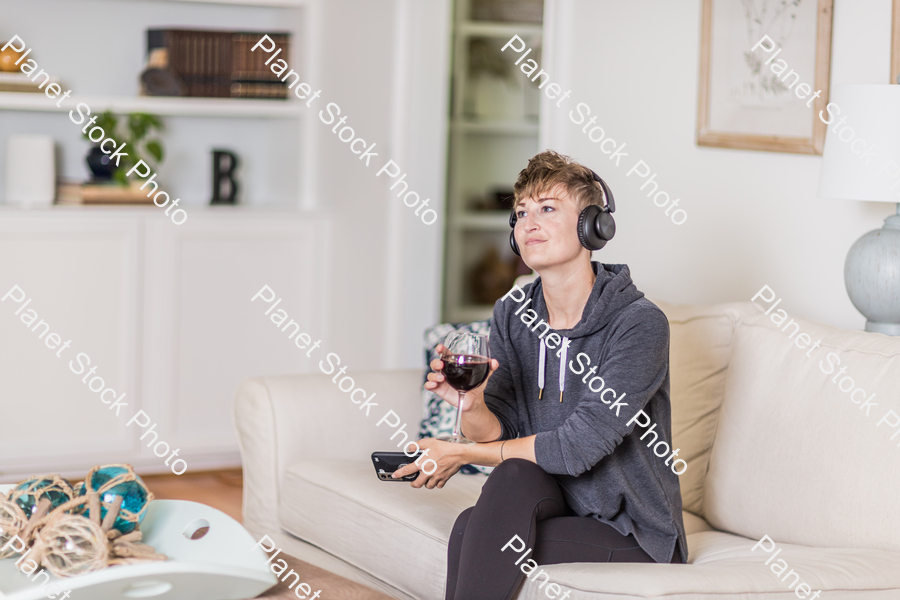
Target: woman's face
<point>546,229</point>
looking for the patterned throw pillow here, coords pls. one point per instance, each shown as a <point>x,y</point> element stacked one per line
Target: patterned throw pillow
<point>438,415</point>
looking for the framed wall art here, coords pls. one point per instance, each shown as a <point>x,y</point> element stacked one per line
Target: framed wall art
<point>895,42</point>
<point>764,72</point>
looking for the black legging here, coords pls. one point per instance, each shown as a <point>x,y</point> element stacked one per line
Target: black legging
<point>520,498</point>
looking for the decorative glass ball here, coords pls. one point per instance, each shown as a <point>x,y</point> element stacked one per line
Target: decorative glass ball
<point>28,494</point>
<point>134,496</point>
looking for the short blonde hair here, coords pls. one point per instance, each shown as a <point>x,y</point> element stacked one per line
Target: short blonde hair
<point>549,169</point>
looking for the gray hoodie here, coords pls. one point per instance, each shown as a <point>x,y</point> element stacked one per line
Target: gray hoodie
<point>604,469</point>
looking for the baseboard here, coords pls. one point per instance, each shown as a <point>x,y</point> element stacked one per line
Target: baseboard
<point>144,465</point>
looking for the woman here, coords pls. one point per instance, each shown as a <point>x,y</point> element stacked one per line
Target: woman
<point>574,481</point>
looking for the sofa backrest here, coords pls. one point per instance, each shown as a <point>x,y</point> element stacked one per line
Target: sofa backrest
<point>798,455</point>
<point>699,353</point>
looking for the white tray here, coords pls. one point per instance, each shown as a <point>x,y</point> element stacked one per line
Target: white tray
<point>225,564</point>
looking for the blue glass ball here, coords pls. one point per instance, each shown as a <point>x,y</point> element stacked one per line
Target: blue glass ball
<point>29,502</point>
<point>134,496</point>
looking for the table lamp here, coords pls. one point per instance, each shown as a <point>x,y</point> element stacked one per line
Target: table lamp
<point>862,162</point>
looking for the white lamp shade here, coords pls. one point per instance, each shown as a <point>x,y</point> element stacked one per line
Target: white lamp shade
<point>862,157</point>
<point>30,169</point>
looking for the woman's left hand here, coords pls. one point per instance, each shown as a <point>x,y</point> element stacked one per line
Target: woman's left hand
<point>448,456</point>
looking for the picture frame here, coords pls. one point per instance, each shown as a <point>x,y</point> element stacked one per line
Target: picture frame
<point>742,103</point>
<point>895,41</point>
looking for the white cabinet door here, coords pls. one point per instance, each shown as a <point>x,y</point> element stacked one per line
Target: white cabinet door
<point>81,273</point>
<point>203,333</point>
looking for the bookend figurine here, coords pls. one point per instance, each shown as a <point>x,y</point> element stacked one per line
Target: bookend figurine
<point>224,181</point>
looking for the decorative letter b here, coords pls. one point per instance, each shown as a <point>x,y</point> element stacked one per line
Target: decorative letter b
<point>223,178</point>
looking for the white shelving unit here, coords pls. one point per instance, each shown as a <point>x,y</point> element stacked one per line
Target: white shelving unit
<point>468,28</point>
<point>161,309</point>
<point>172,107</point>
<point>273,3</point>
<point>495,127</point>
<point>485,155</point>
<point>272,139</point>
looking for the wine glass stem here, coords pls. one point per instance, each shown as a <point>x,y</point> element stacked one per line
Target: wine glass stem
<point>457,434</point>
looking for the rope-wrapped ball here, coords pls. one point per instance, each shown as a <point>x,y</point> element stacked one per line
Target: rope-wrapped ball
<point>12,521</point>
<point>72,545</point>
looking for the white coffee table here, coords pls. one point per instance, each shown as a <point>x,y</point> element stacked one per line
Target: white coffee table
<point>225,564</point>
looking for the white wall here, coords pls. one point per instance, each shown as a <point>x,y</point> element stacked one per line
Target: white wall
<point>421,118</point>
<point>385,64</point>
<point>753,217</point>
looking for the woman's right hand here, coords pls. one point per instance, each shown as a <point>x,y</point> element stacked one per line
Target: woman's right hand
<point>437,383</point>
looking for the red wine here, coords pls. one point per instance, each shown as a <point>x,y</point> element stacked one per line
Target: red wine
<point>465,371</point>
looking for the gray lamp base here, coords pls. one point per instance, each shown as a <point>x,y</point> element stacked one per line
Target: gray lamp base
<point>872,276</point>
<point>885,328</point>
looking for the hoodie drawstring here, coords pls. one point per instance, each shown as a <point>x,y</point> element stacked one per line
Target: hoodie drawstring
<point>542,365</point>
<point>542,362</point>
<point>562,367</point>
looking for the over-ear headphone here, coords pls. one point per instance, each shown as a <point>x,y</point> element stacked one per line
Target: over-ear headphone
<point>596,225</point>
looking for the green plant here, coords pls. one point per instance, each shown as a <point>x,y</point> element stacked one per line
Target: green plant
<point>138,127</point>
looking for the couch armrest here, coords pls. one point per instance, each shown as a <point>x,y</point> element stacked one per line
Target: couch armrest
<point>280,420</point>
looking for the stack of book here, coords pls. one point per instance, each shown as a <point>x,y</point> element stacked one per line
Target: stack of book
<point>219,64</point>
<point>19,82</point>
<point>72,192</point>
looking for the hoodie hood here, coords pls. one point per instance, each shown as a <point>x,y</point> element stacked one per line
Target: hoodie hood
<point>613,290</point>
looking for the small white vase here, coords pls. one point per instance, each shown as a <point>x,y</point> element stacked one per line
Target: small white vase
<point>30,170</point>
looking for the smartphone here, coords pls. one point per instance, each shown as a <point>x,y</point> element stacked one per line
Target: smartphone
<point>386,463</point>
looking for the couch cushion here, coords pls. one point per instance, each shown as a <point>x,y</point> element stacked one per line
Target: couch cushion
<point>399,535</point>
<point>694,524</point>
<point>381,527</point>
<point>395,532</point>
<point>794,458</point>
<point>699,353</point>
<point>723,566</point>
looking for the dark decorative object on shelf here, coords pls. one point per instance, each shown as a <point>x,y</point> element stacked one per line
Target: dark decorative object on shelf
<point>516,11</point>
<point>158,79</point>
<point>491,277</point>
<point>139,125</point>
<point>497,200</point>
<point>503,199</point>
<point>225,185</point>
<point>486,58</point>
<point>100,165</point>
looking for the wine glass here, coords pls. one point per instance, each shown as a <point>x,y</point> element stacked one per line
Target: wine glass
<point>467,363</point>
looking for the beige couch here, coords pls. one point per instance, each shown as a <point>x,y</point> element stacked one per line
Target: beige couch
<point>774,448</point>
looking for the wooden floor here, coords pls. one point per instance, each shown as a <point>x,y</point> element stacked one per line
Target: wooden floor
<point>219,489</point>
